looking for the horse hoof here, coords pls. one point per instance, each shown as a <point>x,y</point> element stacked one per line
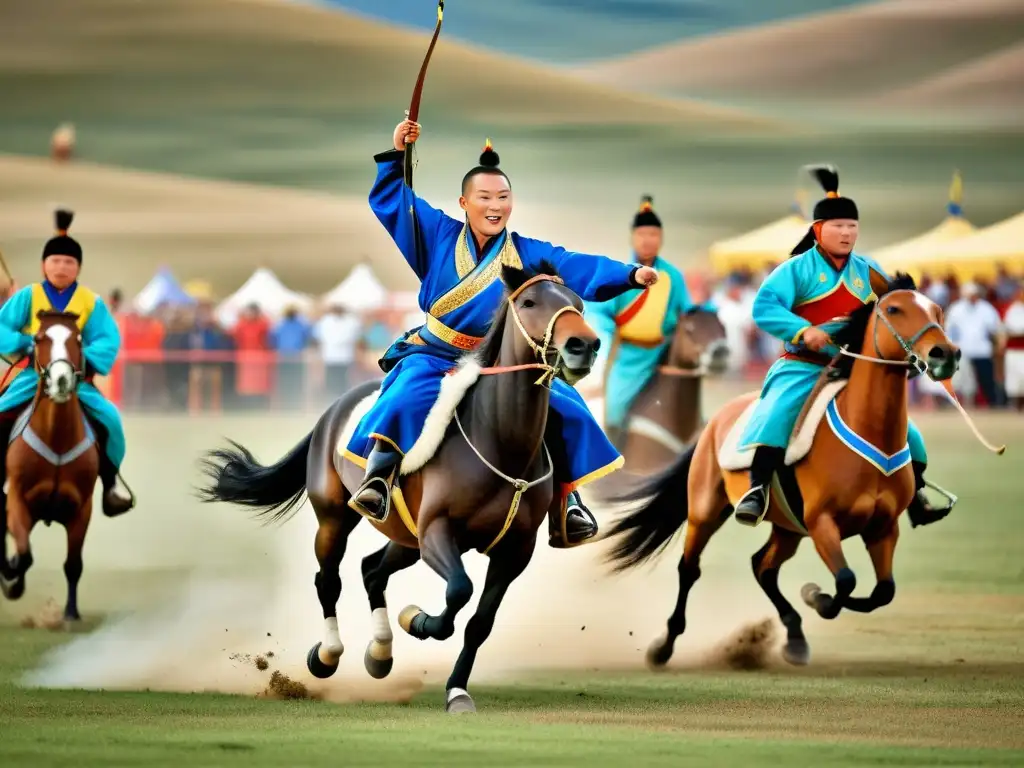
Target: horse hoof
<point>406,618</point>
<point>459,702</point>
<point>797,653</point>
<point>13,589</point>
<point>658,655</point>
<point>316,666</point>
<point>377,668</point>
<point>809,594</point>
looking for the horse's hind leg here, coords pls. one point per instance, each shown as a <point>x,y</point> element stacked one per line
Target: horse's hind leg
<point>19,524</point>
<point>881,549</point>
<point>501,572</point>
<point>76,530</point>
<point>336,523</point>
<point>709,508</point>
<point>441,553</point>
<point>780,547</point>
<point>377,569</point>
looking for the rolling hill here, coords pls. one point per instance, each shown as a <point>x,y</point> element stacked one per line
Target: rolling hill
<point>854,54</point>
<point>565,31</point>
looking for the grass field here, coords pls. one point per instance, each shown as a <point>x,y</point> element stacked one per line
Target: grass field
<point>176,596</point>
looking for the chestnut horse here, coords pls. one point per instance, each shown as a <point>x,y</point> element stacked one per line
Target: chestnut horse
<point>52,460</point>
<point>488,486</point>
<point>838,490</point>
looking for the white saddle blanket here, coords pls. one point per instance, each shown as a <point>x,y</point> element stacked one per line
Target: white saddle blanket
<point>731,458</point>
<point>453,388</point>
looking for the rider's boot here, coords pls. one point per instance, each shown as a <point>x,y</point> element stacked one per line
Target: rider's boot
<point>373,498</point>
<point>580,523</point>
<point>753,506</point>
<point>921,511</point>
<point>114,501</point>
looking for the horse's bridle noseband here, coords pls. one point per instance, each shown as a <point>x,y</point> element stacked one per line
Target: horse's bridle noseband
<point>541,348</point>
<point>911,359</point>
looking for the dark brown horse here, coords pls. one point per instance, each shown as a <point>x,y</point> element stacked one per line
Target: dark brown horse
<point>668,414</point>
<point>843,486</point>
<point>488,486</point>
<point>52,460</point>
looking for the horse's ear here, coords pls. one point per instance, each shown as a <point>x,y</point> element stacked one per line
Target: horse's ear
<point>512,277</point>
<point>73,316</point>
<point>41,314</point>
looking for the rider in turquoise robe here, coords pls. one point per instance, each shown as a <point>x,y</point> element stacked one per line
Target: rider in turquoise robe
<point>60,291</point>
<point>636,331</point>
<point>461,289</point>
<point>814,289</point>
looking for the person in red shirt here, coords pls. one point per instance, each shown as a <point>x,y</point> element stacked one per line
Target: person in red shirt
<point>252,379</point>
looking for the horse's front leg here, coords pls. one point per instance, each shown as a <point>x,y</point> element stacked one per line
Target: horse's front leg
<point>441,552</point>
<point>19,525</point>
<point>506,565</point>
<point>881,548</point>
<point>829,543</point>
<point>76,530</point>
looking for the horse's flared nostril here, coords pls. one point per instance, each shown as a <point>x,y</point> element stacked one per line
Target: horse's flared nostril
<point>577,346</point>
<point>938,352</point>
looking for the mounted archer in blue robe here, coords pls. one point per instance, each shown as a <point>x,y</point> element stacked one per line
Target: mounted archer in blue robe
<point>460,291</point>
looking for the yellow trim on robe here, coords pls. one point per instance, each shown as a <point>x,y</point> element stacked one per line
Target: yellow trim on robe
<point>397,498</point>
<point>81,303</point>
<point>451,336</point>
<point>647,326</point>
<point>597,474</point>
<point>475,281</point>
<point>799,334</point>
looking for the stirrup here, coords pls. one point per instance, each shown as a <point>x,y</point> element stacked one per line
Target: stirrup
<point>384,488</point>
<point>949,497</point>
<point>754,522</point>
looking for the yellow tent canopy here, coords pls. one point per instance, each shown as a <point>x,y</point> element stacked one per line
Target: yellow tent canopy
<point>906,255</point>
<point>770,244</point>
<point>980,254</point>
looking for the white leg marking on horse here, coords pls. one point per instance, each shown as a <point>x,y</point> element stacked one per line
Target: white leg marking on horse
<point>331,648</point>
<point>456,692</point>
<point>380,646</point>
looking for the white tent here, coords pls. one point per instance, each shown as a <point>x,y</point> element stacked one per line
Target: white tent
<point>361,291</point>
<point>265,291</point>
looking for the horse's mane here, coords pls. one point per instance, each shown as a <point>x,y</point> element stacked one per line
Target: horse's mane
<point>852,334</point>
<point>513,278</point>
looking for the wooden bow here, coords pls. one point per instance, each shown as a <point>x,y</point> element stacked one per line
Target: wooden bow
<point>413,112</point>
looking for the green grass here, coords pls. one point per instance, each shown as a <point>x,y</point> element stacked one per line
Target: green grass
<point>935,679</point>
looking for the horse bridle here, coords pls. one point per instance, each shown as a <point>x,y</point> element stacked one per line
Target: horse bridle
<point>911,359</point>
<point>541,348</point>
<point>44,373</point>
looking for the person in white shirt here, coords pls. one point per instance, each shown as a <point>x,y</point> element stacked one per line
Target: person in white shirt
<point>336,335</point>
<point>1013,323</point>
<point>974,325</point>
<point>735,306</point>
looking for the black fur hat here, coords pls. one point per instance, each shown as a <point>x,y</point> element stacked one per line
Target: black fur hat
<point>646,217</point>
<point>63,244</point>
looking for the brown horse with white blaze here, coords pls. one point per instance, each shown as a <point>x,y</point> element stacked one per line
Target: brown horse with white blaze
<point>488,486</point>
<point>848,471</point>
<point>52,460</point>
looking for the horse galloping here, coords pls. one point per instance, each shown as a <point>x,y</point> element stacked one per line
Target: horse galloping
<point>488,485</point>
<point>52,460</point>
<point>848,471</point>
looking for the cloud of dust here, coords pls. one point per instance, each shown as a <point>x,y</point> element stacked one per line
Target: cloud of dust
<point>564,613</point>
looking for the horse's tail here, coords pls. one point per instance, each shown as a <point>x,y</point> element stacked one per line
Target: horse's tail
<point>647,531</point>
<point>276,490</point>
